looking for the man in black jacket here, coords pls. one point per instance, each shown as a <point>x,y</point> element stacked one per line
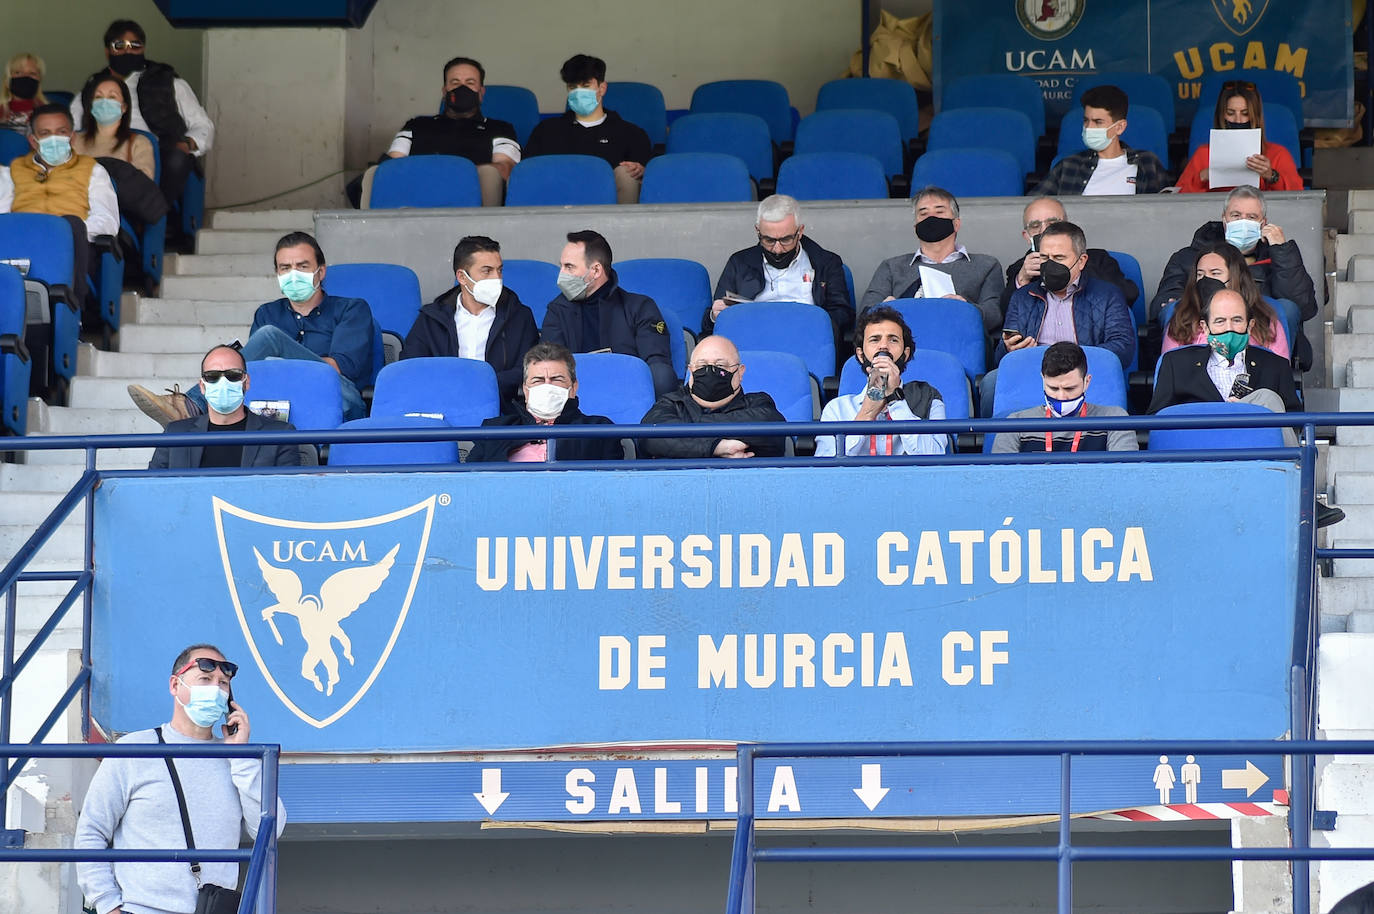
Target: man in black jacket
<point>548,397</point>
<point>594,314</point>
<point>1275,261</point>
<point>712,394</point>
<point>784,266</point>
<point>478,318</point>
<point>1040,214</point>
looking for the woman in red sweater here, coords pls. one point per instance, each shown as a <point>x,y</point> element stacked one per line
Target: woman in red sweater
<point>1239,107</point>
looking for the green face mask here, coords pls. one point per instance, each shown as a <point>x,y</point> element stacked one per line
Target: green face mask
<point>1228,343</point>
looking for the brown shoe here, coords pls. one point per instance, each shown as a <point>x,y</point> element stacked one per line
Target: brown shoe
<point>161,408</point>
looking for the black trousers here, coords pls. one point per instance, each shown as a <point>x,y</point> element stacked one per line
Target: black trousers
<point>176,168</point>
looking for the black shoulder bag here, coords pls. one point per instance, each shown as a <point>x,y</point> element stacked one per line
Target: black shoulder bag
<point>210,898</point>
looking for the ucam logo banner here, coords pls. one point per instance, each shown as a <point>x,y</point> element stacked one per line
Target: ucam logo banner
<point>480,610</point>
<point>1058,42</point>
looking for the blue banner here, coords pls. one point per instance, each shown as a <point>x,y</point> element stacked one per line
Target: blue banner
<point>455,611</point>
<point>1057,42</point>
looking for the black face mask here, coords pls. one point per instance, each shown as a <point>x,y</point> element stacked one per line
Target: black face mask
<point>461,100</point>
<point>933,229</point>
<point>1206,287</point>
<point>1055,275</point>
<point>780,260</point>
<point>712,384</point>
<point>1237,125</point>
<point>867,364</point>
<point>124,64</point>
<point>25,87</point>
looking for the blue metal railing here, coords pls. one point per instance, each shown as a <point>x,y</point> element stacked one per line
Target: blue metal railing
<point>746,853</point>
<point>260,885</point>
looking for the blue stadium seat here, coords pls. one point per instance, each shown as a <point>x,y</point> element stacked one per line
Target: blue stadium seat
<point>893,96</point>
<point>939,369</point>
<point>190,208</point>
<point>312,389</point>
<point>612,384</point>
<point>832,176</point>
<point>999,128</point>
<point>1276,89</point>
<point>743,135</point>
<point>1019,385</point>
<point>46,242</point>
<point>1145,129</point>
<point>677,342</point>
<point>642,105</point>
<point>970,172</point>
<point>1290,315</point>
<point>425,181</point>
<point>1194,439</point>
<point>998,90</point>
<point>872,133</point>
<point>152,241</point>
<point>459,392</point>
<point>1279,127</point>
<point>561,180</point>
<point>392,292</point>
<point>13,144</point>
<point>1131,268</point>
<point>1148,89</point>
<point>801,328</point>
<point>696,177</point>
<point>849,285</point>
<point>345,454</point>
<point>108,282</point>
<point>677,285</point>
<point>764,97</point>
<point>783,376</point>
<point>535,281</point>
<point>14,358</point>
<point>947,325</point>
<point>515,105</point>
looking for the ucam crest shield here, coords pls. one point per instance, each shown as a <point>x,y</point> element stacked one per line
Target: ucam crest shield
<point>322,604</point>
<point>1049,20</point>
<point>1240,16</point>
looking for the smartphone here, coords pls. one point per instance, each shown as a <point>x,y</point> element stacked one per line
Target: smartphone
<point>1241,387</point>
<point>1009,335</point>
<point>231,729</point>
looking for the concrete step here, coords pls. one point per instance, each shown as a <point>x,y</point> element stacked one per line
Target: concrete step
<point>1345,680</point>
<point>262,287</point>
<point>1343,596</point>
<point>279,220</point>
<point>1347,295</point>
<point>1358,524</point>
<point>1350,400</point>
<point>178,338</point>
<point>1347,246</point>
<point>123,458</point>
<point>1361,221</point>
<point>21,477</point>
<point>264,242</point>
<point>218,264</point>
<point>168,312</point>
<point>1360,198</point>
<point>154,368</point>
<point>106,393</point>
<point>1355,488</point>
<point>1359,268</point>
<point>28,508</point>
<point>66,546</point>
<point>1360,317</point>
<point>1359,372</point>
<point>1336,879</point>
<point>1351,568</point>
<point>75,421</point>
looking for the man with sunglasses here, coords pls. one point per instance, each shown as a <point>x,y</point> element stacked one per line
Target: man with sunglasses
<point>132,803</point>
<point>223,383</point>
<point>785,265</point>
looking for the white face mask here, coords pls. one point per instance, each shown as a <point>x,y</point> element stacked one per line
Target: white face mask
<point>546,401</point>
<point>486,292</point>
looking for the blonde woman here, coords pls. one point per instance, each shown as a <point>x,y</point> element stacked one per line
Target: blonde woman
<point>20,92</point>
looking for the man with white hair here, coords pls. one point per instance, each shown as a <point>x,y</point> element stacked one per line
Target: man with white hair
<point>785,265</point>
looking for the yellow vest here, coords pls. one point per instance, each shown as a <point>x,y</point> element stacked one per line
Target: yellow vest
<point>64,192</point>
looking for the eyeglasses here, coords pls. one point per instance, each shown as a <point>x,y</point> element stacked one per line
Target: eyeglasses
<point>213,375</point>
<point>207,665</point>
<point>1034,227</point>
<point>121,45</point>
<point>722,365</point>
<point>770,242</point>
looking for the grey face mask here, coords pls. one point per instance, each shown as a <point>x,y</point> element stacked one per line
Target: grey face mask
<point>573,287</point>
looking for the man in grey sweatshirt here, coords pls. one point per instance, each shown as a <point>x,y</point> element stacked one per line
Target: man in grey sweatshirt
<point>131,802</point>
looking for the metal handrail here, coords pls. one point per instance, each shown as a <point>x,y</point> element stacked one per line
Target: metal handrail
<point>261,857</point>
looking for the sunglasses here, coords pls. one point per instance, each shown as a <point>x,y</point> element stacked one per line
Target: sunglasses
<point>212,375</point>
<point>122,45</point>
<point>206,665</point>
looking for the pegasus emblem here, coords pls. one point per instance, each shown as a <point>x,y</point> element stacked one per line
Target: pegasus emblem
<point>319,616</point>
<point>1240,10</point>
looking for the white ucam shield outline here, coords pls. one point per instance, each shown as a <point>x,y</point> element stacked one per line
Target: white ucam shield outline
<point>222,507</point>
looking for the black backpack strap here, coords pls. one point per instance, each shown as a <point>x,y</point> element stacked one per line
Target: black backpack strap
<point>181,805</point>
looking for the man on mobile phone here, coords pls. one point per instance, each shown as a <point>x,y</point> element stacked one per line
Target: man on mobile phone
<point>132,802</point>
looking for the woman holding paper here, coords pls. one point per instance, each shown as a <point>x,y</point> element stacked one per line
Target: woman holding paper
<point>1239,108</point>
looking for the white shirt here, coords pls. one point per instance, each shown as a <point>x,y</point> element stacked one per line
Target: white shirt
<point>959,253</point>
<point>1111,176</point>
<point>844,409</point>
<point>1224,373</point>
<point>790,284</point>
<point>198,124</point>
<point>473,330</point>
<point>500,146</point>
<point>103,218</point>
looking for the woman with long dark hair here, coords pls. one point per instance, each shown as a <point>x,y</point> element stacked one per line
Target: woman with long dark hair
<point>1239,107</point>
<point>104,130</point>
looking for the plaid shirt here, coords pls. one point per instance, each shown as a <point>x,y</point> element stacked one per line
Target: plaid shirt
<point>1071,175</point>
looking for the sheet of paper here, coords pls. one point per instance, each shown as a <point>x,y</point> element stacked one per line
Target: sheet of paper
<point>935,283</point>
<point>1226,159</point>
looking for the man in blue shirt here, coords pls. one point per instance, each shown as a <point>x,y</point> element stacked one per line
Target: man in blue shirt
<point>306,324</point>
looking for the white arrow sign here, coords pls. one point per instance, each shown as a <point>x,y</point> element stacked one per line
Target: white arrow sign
<point>1248,778</point>
<point>871,789</point>
<point>491,796</point>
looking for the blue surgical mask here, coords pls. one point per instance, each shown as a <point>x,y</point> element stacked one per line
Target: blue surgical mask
<point>55,150</point>
<point>1096,139</point>
<point>1243,234</point>
<point>208,704</point>
<point>106,111</point>
<point>224,396</point>
<point>297,285</point>
<point>582,101</point>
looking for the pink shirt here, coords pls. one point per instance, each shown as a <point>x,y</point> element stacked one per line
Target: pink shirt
<point>1279,346</point>
<point>534,452</point>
